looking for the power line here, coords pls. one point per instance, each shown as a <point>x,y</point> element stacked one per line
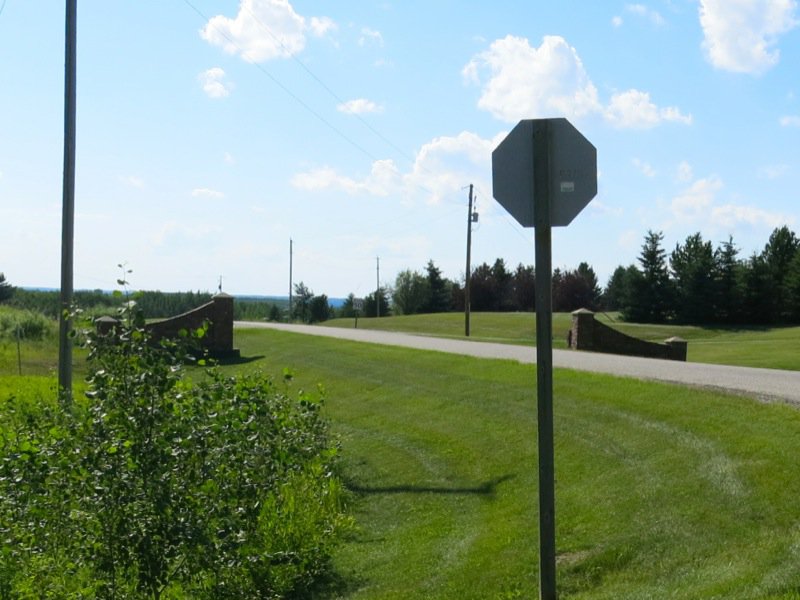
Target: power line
<point>289,92</point>
<point>327,88</point>
<point>510,223</point>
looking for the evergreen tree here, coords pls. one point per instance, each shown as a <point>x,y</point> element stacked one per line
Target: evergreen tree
<point>756,288</point>
<point>586,272</point>
<point>524,288</point>
<point>318,309</point>
<point>615,296</point>
<point>502,286</point>
<point>438,290</point>
<point>274,313</point>
<point>481,290</point>
<point>727,266</point>
<point>693,267</point>
<point>778,255</point>
<point>347,309</point>
<point>370,305</point>
<point>301,302</point>
<point>792,284</point>
<point>651,294</point>
<point>6,289</point>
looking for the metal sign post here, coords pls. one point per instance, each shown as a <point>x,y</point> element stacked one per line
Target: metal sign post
<point>543,173</point>
<point>544,367</point>
<point>358,305</point>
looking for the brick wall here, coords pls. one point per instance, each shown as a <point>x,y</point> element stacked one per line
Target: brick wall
<point>587,333</point>
<point>218,340</point>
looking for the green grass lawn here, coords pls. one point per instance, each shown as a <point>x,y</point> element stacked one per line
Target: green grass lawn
<point>775,347</point>
<point>662,491</point>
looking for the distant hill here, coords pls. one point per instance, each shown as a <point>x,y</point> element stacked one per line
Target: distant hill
<point>279,300</point>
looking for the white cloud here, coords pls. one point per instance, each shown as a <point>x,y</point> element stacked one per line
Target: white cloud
<point>696,200</point>
<point>207,193</point>
<point>359,106</point>
<point>383,177</point>
<point>526,82</point>
<point>773,171</point>
<point>643,11</point>
<point>730,215</point>
<point>213,84</point>
<point>684,172</point>
<point>644,168</point>
<point>229,159</point>
<point>617,21</point>
<point>320,26</point>
<point>370,36</point>
<point>264,30</point>
<point>445,164</point>
<point>441,167</point>
<point>173,232</point>
<point>790,121</point>
<point>741,35</point>
<point>698,206</point>
<point>634,110</point>
<point>133,181</point>
<point>599,207</point>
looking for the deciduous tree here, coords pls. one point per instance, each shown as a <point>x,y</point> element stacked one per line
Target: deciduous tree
<point>411,292</point>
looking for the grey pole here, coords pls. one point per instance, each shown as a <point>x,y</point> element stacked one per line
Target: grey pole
<point>289,317</point>
<point>544,365</point>
<point>378,287</point>
<point>68,203</point>
<point>468,270</point>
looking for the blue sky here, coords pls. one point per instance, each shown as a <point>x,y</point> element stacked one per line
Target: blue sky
<point>212,131</point>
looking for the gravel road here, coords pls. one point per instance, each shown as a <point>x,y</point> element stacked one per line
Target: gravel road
<point>765,384</point>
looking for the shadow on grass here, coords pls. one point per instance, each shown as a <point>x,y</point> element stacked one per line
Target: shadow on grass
<point>487,489</point>
<point>235,360</point>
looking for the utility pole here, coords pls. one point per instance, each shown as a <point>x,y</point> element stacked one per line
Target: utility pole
<point>289,317</point>
<point>378,287</point>
<point>468,271</point>
<point>68,203</point>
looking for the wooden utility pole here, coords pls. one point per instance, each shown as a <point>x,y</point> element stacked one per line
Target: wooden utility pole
<point>468,270</point>
<point>289,316</point>
<point>378,287</point>
<point>68,203</point>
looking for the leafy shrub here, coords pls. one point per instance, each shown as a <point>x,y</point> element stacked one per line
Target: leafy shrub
<point>26,324</point>
<point>158,487</point>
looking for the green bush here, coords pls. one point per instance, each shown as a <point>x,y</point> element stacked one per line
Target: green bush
<point>26,324</point>
<point>154,486</point>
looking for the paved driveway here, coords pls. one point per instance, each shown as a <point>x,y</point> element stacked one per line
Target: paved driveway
<point>766,384</point>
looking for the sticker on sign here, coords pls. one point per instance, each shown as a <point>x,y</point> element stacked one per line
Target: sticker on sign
<point>571,170</point>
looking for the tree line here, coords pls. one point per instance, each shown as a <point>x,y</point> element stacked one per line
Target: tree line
<point>695,283</point>
<point>492,288</point>
<point>153,304</point>
<point>699,284</point>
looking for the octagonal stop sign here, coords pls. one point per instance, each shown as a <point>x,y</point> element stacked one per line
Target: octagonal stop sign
<point>544,160</point>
